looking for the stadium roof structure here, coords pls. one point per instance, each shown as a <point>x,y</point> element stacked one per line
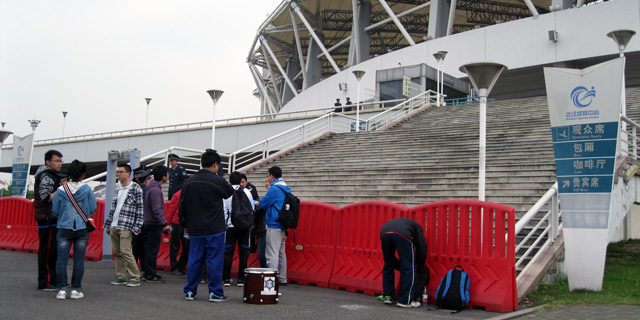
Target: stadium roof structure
<point>303,42</point>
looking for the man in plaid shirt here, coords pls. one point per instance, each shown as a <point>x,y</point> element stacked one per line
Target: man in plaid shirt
<point>124,220</point>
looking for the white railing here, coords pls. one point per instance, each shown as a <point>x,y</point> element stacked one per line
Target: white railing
<point>163,155</point>
<point>629,138</point>
<point>207,124</point>
<point>547,228</point>
<point>314,129</point>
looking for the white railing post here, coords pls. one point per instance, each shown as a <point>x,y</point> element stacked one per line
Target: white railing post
<point>635,142</point>
<point>302,131</point>
<point>554,217</point>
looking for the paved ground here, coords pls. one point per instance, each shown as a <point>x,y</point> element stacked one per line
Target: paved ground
<point>19,299</point>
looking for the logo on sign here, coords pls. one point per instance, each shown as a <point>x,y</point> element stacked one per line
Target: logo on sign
<point>582,97</point>
<point>20,151</point>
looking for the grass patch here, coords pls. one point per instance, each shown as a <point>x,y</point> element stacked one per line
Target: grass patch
<point>621,284</point>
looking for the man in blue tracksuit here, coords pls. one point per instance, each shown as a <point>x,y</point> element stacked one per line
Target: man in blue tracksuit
<point>202,216</point>
<point>407,238</point>
<point>276,235</point>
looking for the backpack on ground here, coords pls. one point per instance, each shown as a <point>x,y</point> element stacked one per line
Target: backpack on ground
<point>288,216</point>
<point>241,211</point>
<point>453,291</point>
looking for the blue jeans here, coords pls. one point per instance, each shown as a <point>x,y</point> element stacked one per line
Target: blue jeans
<point>209,251</point>
<point>79,239</point>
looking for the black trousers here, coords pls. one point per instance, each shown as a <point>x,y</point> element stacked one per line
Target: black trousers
<point>137,246</point>
<point>242,238</point>
<point>177,240</point>
<point>47,255</point>
<point>151,239</point>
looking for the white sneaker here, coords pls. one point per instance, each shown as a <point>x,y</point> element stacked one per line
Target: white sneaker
<point>76,294</point>
<point>413,304</point>
<point>61,295</point>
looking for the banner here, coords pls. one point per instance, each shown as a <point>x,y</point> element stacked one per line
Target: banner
<point>22,147</point>
<point>584,107</point>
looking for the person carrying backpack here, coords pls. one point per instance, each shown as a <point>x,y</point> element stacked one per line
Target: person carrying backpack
<point>405,237</point>
<point>236,209</point>
<point>276,234</point>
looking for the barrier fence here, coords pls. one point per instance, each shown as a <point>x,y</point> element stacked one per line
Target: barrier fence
<point>340,248</point>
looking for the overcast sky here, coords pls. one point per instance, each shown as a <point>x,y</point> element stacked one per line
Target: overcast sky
<point>100,59</point>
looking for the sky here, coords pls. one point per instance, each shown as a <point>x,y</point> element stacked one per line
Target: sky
<point>98,60</point>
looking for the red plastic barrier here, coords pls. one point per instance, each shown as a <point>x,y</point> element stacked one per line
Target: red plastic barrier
<point>16,215</point>
<point>310,258</point>
<point>94,247</point>
<point>163,262</point>
<point>358,262</point>
<point>471,234</point>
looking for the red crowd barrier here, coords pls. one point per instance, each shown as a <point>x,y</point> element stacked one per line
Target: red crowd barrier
<point>311,247</point>
<point>96,238</point>
<point>16,216</point>
<point>472,234</point>
<point>163,262</point>
<point>358,261</point>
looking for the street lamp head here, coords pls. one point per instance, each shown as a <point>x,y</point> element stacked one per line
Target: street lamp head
<point>34,124</point>
<point>4,134</point>
<point>215,95</point>
<point>64,113</point>
<point>359,74</point>
<point>483,75</point>
<point>440,55</point>
<point>621,37</point>
<point>3,124</point>
<point>148,100</point>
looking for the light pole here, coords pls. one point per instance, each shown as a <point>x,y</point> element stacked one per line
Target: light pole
<point>359,74</point>
<point>146,124</point>
<point>439,82</point>
<point>483,77</point>
<point>622,38</point>
<point>215,96</point>
<point>64,119</point>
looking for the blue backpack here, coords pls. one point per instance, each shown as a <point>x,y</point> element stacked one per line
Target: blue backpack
<point>453,291</point>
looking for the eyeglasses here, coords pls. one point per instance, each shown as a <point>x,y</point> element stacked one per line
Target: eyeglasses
<point>119,172</point>
<point>57,160</point>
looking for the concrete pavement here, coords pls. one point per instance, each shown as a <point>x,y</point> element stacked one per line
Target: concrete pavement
<point>19,299</point>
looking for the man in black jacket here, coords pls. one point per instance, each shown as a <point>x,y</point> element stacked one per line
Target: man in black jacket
<point>202,216</point>
<point>47,180</point>
<point>407,238</point>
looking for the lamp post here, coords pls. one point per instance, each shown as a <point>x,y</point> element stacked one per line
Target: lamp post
<point>359,74</point>
<point>483,77</point>
<point>215,96</point>
<point>64,119</point>
<point>146,124</point>
<point>439,82</point>
<point>622,38</point>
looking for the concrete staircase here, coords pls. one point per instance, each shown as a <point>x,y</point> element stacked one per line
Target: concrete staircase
<point>431,157</point>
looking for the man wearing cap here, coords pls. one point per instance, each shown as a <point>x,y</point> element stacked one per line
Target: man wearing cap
<point>348,103</point>
<point>141,175</point>
<point>177,175</point>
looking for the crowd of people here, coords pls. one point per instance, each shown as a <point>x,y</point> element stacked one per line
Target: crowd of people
<point>198,217</point>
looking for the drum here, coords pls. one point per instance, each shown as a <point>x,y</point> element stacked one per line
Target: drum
<point>261,285</point>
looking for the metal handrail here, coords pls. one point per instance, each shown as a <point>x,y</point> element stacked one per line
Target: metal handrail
<point>550,221</point>
<point>630,138</point>
<point>206,124</point>
<point>326,124</point>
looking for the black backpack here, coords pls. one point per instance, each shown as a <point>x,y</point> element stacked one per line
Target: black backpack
<point>453,291</point>
<point>241,212</point>
<point>288,216</point>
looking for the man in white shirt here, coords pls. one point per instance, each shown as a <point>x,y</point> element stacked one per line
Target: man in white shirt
<point>124,220</point>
